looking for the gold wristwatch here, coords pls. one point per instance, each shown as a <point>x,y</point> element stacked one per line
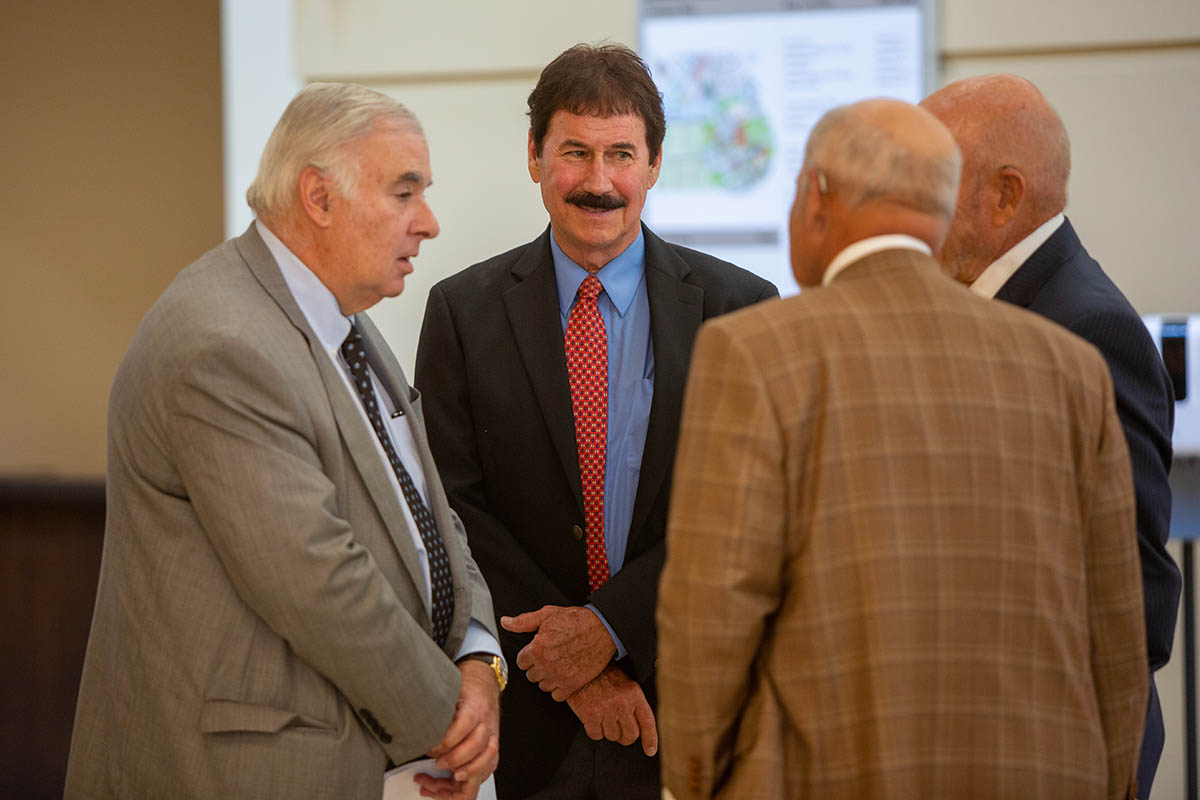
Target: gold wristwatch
<point>495,662</point>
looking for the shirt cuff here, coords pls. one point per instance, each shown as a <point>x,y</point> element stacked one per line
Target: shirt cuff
<point>479,640</point>
<point>621,653</point>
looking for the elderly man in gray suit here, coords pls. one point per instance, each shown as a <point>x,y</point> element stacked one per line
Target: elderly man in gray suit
<point>286,601</point>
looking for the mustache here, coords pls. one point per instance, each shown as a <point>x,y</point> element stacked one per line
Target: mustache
<point>603,202</point>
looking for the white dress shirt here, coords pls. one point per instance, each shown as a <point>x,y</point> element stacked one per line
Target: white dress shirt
<point>999,271</point>
<point>872,244</point>
<point>321,309</point>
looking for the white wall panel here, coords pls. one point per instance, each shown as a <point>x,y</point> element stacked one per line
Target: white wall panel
<point>364,38</point>
<point>258,85</point>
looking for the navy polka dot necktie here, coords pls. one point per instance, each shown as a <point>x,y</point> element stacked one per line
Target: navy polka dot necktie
<point>439,563</point>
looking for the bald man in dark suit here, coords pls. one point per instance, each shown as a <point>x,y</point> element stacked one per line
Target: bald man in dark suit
<point>1010,240</point>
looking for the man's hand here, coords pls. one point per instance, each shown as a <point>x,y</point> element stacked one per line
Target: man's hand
<point>570,648</point>
<point>471,747</point>
<point>613,707</point>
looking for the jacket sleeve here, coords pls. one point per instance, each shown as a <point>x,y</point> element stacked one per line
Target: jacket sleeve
<point>726,549</point>
<point>1146,407</point>
<point>1118,637</point>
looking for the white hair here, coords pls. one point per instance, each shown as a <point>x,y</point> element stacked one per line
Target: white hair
<point>868,163</point>
<point>313,132</point>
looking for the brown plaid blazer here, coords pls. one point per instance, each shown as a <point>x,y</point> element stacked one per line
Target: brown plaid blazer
<point>901,556</point>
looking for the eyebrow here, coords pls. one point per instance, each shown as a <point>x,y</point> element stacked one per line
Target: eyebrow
<point>411,177</point>
<point>575,143</point>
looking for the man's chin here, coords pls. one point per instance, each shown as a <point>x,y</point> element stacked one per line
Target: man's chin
<point>394,288</point>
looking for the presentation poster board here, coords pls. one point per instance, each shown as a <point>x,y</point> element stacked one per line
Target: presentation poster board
<point>743,83</point>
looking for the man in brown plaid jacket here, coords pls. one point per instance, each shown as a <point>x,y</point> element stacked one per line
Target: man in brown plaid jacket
<point>899,560</point>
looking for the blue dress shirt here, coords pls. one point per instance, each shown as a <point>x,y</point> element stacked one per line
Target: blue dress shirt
<point>625,309</point>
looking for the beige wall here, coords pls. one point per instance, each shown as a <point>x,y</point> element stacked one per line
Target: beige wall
<point>112,182</point>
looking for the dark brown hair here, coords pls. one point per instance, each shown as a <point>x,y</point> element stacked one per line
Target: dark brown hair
<point>605,81</point>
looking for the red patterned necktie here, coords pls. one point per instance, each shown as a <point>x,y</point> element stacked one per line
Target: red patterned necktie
<point>587,365</point>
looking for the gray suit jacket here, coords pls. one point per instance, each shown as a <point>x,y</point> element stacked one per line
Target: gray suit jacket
<point>260,626</point>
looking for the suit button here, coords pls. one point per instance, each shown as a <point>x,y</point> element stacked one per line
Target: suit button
<point>577,532</point>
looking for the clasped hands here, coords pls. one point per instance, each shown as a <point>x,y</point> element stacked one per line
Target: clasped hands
<point>470,748</point>
<point>571,658</point>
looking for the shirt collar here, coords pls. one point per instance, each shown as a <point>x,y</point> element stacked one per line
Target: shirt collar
<point>316,302</point>
<point>999,271</point>
<point>619,277</point>
<point>872,244</point>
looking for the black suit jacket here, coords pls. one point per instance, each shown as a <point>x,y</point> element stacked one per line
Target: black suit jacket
<point>501,429</point>
<point>1061,282</point>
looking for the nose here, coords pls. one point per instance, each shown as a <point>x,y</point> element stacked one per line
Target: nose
<point>597,179</point>
<point>424,223</point>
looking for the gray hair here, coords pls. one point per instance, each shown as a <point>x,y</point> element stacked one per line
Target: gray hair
<point>313,132</point>
<point>868,162</point>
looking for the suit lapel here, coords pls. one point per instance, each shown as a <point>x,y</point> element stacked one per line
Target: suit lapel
<point>1030,277</point>
<point>676,313</point>
<point>358,436</point>
<point>532,308</point>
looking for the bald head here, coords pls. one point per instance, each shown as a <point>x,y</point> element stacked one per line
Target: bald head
<point>875,167</point>
<point>1016,162</point>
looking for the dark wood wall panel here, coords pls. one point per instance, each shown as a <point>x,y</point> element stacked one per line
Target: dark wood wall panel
<point>51,537</point>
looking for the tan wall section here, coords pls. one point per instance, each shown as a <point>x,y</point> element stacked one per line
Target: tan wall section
<point>112,182</point>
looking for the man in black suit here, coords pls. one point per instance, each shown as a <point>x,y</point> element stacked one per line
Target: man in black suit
<point>1011,240</point>
<point>557,372</point>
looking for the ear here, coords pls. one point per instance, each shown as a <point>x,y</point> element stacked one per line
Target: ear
<point>316,197</point>
<point>535,167</point>
<point>816,206</point>
<point>1010,187</point>
<point>655,166</point>
<point>808,230</point>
